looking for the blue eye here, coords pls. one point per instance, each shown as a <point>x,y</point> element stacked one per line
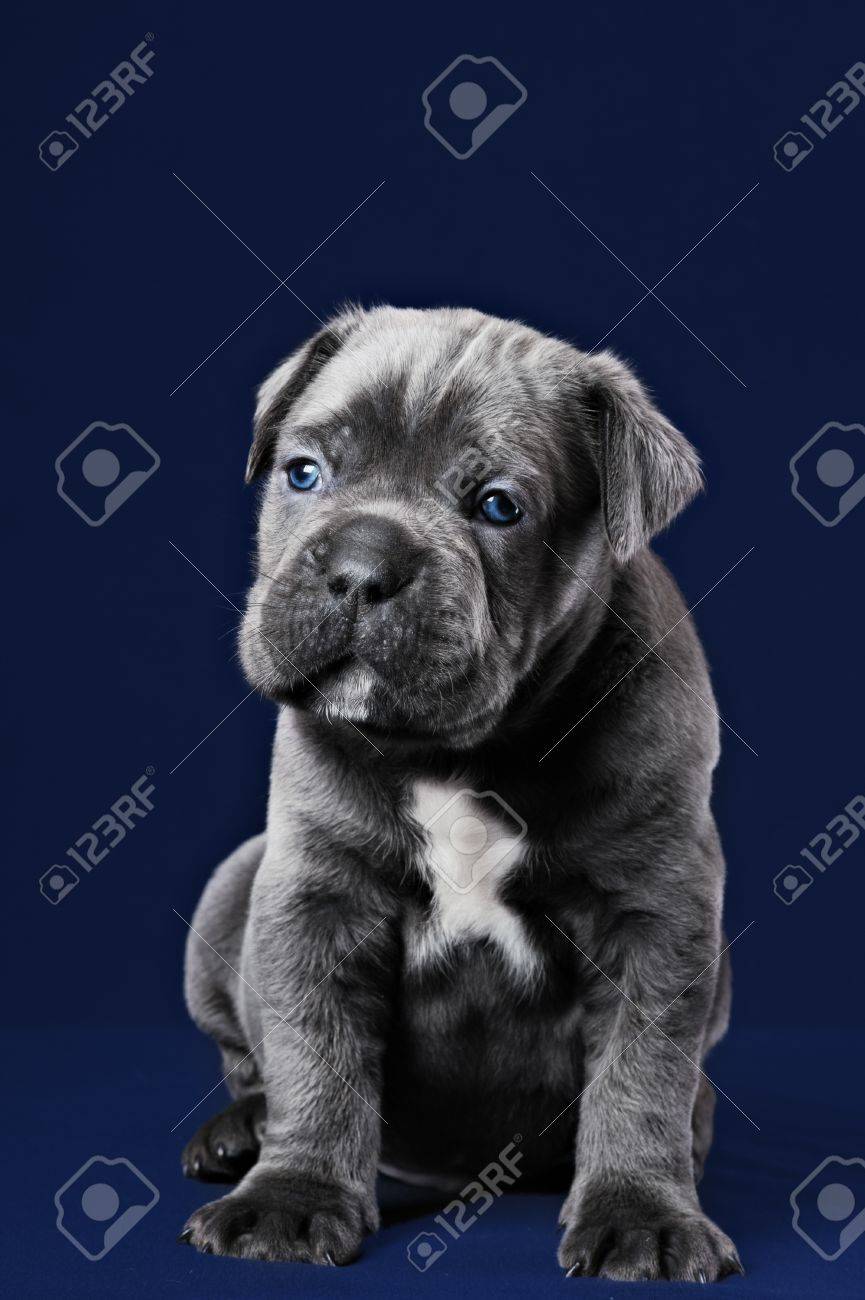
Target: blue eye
<point>498,508</point>
<point>304,475</point>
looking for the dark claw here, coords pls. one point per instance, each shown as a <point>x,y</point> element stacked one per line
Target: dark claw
<point>185,1235</point>
<point>206,1249</point>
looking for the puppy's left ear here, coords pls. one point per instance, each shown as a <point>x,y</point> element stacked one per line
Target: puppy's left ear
<point>648,471</point>
<point>283,387</point>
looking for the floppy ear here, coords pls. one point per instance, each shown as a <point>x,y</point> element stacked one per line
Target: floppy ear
<point>281,389</point>
<point>648,471</point>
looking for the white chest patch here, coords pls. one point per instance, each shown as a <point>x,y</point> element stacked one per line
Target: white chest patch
<point>474,841</point>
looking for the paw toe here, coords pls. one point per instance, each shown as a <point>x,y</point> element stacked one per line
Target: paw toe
<point>681,1250</point>
<point>281,1218</point>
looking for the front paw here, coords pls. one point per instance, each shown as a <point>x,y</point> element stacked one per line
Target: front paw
<point>635,1237</point>
<point>290,1216</point>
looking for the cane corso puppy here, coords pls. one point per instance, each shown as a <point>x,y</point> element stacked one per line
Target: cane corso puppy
<point>488,898</point>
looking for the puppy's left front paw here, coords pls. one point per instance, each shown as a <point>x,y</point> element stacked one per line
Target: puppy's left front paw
<point>645,1243</point>
<point>274,1216</point>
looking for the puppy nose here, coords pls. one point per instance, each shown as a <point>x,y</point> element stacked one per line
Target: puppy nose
<point>371,556</point>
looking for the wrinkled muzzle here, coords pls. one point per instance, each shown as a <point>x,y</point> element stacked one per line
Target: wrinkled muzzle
<point>372,620</point>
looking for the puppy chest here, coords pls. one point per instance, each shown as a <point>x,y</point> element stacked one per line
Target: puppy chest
<point>472,842</point>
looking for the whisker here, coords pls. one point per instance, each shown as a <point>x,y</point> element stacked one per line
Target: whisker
<point>271,578</point>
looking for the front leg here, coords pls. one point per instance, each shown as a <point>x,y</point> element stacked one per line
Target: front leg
<point>319,957</point>
<point>633,1212</point>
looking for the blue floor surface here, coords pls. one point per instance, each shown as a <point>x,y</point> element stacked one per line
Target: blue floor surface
<point>117,1093</point>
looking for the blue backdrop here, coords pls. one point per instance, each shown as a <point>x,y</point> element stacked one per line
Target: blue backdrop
<point>673,147</point>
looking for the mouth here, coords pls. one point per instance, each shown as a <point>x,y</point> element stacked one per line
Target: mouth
<point>315,683</point>
<point>426,708</point>
<point>340,686</point>
<point>346,691</point>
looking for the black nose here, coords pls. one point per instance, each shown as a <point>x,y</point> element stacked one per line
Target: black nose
<point>371,556</point>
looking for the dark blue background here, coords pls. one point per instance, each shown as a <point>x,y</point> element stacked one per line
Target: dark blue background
<point>650,122</point>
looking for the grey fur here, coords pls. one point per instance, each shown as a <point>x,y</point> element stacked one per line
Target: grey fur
<point>447,653</point>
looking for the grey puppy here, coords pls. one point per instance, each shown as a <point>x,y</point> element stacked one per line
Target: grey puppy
<point>456,928</point>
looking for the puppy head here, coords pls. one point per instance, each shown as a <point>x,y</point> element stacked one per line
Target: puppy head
<point>415,463</point>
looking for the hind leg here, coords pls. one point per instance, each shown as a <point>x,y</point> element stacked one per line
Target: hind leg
<point>227,1146</point>
<point>702,1125</point>
<point>703,1116</point>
